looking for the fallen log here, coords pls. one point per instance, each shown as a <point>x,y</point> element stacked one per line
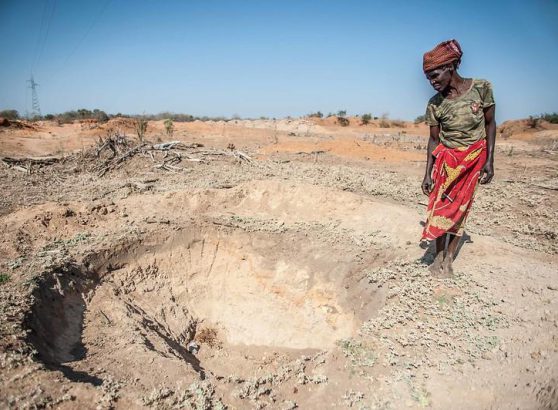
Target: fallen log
<point>31,160</point>
<point>165,146</point>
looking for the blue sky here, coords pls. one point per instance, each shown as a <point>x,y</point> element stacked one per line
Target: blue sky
<point>271,58</point>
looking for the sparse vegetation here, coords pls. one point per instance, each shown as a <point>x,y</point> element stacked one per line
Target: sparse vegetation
<point>398,123</point>
<point>533,122</point>
<point>101,116</point>
<point>358,353</point>
<point>69,117</point>
<point>550,117</point>
<point>171,116</point>
<point>169,127</point>
<point>365,119</point>
<point>141,128</point>
<point>384,121</point>
<point>421,396</point>
<point>420,118</point>
<point>316,114</point>
<point>341,119</point>
<point>4,278</point>
<point>9,114</point>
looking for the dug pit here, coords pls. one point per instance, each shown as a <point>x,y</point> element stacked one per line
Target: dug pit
<point>140,311</point>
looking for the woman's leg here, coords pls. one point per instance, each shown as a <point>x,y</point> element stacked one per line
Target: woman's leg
<point>450,255</point>
<point>436,267</point>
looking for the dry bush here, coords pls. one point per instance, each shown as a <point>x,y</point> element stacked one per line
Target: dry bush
<point>550,117</point>
<point>169,127</point>
<point>533,122</point>
<point>398,123</point>
<point>141,128</point>
<point>384,123</point>
<point>9,114</point>
<point>208,336</point>
<point>342,121</point>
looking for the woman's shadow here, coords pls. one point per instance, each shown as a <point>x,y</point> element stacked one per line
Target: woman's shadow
<point>430,248</point>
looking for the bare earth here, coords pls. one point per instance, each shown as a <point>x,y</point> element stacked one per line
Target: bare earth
<point>282,271</point>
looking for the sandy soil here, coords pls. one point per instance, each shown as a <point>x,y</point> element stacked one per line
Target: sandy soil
<point>294,279</point>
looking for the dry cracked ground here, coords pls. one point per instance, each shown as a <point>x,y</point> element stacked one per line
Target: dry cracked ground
<point>282,272</point>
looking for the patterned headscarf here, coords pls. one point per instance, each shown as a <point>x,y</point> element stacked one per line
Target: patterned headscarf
<point>444,53</point>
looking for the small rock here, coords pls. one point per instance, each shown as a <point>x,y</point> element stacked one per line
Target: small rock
<point>193,347</point>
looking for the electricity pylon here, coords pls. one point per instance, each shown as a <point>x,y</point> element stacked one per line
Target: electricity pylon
<point>34,98</point>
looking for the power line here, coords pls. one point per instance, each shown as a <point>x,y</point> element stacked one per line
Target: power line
<point>42,49</point>
<point>44,31</point>
<point>93,22</point>
<point>81,40</point>
<point>39,35</point>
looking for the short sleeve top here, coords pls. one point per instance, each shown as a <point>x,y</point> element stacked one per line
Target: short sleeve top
<point>461,119</point>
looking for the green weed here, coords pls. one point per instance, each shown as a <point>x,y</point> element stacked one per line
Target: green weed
<point>358,353</point>
<point>4,278</point>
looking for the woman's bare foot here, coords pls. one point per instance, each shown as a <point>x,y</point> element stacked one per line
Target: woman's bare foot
<point>436,266</point>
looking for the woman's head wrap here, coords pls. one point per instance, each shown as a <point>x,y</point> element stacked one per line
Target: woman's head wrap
<point>444,53</point>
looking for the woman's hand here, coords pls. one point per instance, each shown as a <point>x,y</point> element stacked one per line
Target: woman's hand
<point>487,173</point>
<point>427,185</point>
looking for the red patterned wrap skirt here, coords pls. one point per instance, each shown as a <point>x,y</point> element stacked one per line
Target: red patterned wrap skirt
<point>455,176</point>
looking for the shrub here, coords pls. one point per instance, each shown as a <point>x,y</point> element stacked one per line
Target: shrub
<point>10,114</point>
<point>366,118</point>
<point>82,114</point>
<point>398,123</point>
<point>141,128</point>
<point>316,114</point>
<point>420,118</point>
<point>533,122</point>
<point>551,118</point>
<point>384,121</point>
<point>342,121</point>
<point>341,113</point>
<point>100,116</point>
<point>169,127</point>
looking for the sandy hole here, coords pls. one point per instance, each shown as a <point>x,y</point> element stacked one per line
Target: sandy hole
<point>150,299</point>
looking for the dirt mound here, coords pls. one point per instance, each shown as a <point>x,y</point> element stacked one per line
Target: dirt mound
<point>125,124</point>
<point>525,129</point>
<point>20,124</point>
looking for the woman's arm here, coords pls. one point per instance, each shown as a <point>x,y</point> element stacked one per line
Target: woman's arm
<point>487,172</point>
<point>433,142</point>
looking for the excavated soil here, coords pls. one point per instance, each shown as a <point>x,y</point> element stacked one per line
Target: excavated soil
<point>262,289</point>
<point>293,280</point>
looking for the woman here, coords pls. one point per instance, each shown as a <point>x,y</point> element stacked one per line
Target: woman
<point>460,149</point>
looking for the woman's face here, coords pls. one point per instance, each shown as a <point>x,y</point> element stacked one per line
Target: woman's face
<point>440,78</point>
